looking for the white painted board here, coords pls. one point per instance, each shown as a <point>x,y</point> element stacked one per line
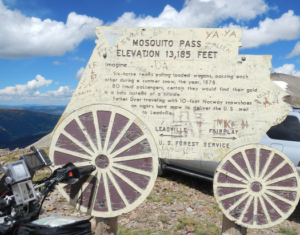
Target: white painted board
<point>196,94</point>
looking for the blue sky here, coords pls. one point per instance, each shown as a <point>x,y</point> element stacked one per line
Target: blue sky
<point>46,44</point>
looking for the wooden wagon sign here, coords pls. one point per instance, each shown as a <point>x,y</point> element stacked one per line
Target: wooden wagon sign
<point>149,93</point>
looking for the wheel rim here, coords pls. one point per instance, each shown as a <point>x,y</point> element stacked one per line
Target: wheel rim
<point>123,151</point>
<point>256,186</point>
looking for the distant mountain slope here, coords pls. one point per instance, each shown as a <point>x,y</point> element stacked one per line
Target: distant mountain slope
<point>50,109</point>
<point>17,123</point>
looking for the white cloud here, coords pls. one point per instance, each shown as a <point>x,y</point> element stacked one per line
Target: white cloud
<point>197,13</point>
<point>287,69</point>
<point>56,63</point>
<point>23,37</point>
<point>30,91</point>
<point>63,91</point>
<point>287,27</point>
<point>295,51</point>
<point>79,73</point>
<point>27,89</point>
<point>77,58</point>
<point>56,83</point>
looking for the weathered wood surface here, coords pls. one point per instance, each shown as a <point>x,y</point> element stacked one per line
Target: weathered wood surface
<point>256,186</point>
<point>196,94</point>
<point>120,146</point>
<point>106,226</point>
<point>231,228</point>
<point>187,94</point>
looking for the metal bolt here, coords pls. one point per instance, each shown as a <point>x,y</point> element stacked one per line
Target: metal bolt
<point>101,204</point>
<point>243,58</point>
<point>104,56</point>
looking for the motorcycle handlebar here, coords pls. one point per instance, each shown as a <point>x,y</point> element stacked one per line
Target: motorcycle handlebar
<point>83,171</point>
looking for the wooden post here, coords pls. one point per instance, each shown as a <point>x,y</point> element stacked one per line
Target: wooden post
<point>106,226</point>
<point>231,228</point>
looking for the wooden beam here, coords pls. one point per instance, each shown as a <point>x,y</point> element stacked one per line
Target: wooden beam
<point>106,226</point>
<point>231,228</point>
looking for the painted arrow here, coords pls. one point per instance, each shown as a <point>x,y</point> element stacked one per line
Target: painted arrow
<point>233,138</point>
<point>162,135</point>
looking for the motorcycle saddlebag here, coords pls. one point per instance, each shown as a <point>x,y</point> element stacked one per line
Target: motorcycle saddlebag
<point>56,225</point>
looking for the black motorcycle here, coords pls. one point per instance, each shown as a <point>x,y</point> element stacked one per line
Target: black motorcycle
<point>21,199</point>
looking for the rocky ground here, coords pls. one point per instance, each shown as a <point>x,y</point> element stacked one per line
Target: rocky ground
<point>177,205</point>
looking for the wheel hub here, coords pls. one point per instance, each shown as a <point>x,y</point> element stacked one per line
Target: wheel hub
<point>102,161</point>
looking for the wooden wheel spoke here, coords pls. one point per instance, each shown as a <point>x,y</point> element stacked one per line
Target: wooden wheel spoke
<point>233,176</point>
<point>249,200</point>
<point>276,180</point>
<point>128,181</point>
<point>116,153</point>
<point>128,168</point>
<point>279,197</point>
<point>268,176</point>
<point>97,128</point>
<point>107,193</point>
<point>257,159</point>
<point>133,157</point>
<point>255,206</point>
<point>265,209</point>
<point>78,143</point>
<point>63,185</point>
<point>238,202</point>
<point>87,136</point>
<point>80,164</point>
<point>239,169</point>
<point>118,188</point>
<point>72,153</point>
<point>247,164</point>
<point>274,206</point>
<point>294,189</point>
<point>232,194</point>
<point>263,172</point>
<point>93,200</point>
<point>117,140</point>
<point>228,185</point>
<point>110,125</point>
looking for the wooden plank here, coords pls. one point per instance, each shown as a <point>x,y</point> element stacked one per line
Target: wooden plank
<point>106,226</point>
<point>231,228</point>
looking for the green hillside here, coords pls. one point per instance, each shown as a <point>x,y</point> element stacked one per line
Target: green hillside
<point>17,123</point>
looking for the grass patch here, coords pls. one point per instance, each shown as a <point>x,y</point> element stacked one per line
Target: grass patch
<point>163,219</point>
<point>153,199</point>
<point>184,199</point>
<point>124,231</point>
<point>62,200</point>
<point>216,207</point>
<point>201,227</point>
<point>207,229</point>
<point>169,200</point>
<point>162,179</point>
<point>288,231</point>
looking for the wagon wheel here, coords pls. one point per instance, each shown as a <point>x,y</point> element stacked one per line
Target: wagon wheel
<point>256,186</point>
<point>123,151</point>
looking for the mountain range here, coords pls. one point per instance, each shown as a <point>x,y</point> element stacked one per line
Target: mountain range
<point>21,127</point>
